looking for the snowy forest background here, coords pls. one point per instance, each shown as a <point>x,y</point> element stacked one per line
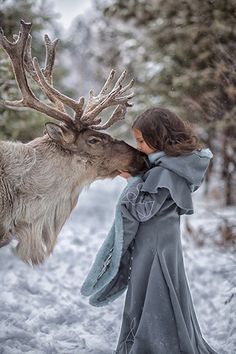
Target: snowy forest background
<point>182,55</point>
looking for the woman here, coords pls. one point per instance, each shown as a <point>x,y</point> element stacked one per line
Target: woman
<point>158,315</point>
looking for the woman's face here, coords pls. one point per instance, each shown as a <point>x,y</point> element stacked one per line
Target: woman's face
<point>141,144</point>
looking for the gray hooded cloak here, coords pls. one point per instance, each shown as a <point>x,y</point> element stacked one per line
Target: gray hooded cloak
<point>143,254</point>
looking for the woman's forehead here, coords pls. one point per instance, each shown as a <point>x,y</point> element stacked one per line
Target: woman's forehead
<point>137,133</point>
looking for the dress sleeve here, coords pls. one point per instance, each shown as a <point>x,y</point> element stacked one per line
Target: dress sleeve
<point>142,205</point>
<point>130,227</point>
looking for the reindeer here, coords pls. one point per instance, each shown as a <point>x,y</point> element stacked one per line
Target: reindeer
<point>40,181</point>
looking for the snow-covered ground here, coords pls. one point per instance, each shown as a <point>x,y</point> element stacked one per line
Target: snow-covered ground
<point>43,312</point>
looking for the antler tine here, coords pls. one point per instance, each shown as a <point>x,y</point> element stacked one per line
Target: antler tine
<point>120,80</point>
<point>16,52</point>
<point>29,66</point>
<point>28,61</point>
<point>50,58</point>
<point>97,104</point>
<point>128,86</point>
<point>107,83</point>
<point>117,115</point>
<point>45,80</point>
<point>103,98</point>
<point>93,101</point>
<point>76,106</point>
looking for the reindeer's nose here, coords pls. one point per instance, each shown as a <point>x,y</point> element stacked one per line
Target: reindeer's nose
<point>140,163</point>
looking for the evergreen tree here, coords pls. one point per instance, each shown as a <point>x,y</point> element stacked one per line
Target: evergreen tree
<point>187,64</point>
<point>94,51</point>
<point>25,125</point>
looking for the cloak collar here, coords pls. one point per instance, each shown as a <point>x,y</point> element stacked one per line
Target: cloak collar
<point>154,156</point>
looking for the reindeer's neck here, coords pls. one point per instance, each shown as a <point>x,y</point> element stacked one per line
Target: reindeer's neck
<point>44,197</point>
<point>56,178</point>
<point>58,168</point>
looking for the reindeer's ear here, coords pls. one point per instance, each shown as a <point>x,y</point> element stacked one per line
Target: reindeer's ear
<point>60,134</point>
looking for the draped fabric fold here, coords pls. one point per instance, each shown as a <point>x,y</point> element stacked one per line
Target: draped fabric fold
<point>143,254</point>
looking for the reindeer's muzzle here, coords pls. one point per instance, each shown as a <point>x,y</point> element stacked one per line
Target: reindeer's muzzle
<point>129,159</point>
<point>140,163</point>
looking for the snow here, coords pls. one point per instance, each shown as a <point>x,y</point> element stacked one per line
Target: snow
<point>43,312</point>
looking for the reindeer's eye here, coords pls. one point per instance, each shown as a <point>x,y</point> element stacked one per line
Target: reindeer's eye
<point>94,140</point>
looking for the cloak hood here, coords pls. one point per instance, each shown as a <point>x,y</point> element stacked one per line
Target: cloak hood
<point>191,167</point>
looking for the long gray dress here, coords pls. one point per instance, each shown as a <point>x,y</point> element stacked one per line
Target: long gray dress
<point>158,314</point>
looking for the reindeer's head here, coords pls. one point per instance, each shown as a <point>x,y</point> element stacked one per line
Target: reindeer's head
<point>78,134</point>
<point>101,155</point>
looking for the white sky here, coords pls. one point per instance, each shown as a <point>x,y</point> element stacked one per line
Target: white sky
<point>69,9</point>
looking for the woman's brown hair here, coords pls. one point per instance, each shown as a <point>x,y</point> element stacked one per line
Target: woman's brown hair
<point>164,130</point>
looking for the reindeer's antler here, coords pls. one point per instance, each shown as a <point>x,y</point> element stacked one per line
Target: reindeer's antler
<point>97,104</point>
<point>19,52</point>
<point>16,52</point>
